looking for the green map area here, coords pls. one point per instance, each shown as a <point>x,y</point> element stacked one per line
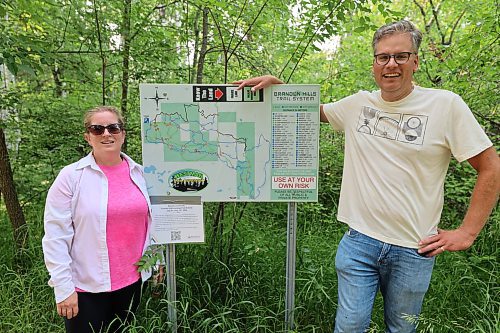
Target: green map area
<point>190,134</point>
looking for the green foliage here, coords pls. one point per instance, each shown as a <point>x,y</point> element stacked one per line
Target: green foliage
<point>153,256</point>
<point>65,60</point>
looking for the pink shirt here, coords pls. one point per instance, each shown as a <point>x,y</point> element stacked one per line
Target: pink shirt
<point>75,248</point>
<point>126,225</point>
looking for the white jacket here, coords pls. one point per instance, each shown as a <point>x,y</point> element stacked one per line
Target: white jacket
<point>74,244</point>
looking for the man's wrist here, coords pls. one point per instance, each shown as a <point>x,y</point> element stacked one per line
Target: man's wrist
<point>470,232</point>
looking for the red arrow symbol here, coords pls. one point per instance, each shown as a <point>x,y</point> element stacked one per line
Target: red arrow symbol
<point>218,93</point>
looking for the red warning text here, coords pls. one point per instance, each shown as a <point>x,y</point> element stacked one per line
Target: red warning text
<point>294,182</point>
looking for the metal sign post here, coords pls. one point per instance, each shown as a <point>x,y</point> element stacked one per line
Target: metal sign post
<point>291,242</point>
<point>171,286</point>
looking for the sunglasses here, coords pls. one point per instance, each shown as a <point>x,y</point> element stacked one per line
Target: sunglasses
<point>99,129</point>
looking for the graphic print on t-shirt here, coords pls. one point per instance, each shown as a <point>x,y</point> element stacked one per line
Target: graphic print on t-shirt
<point>387,125</point>
<point>406,128</point>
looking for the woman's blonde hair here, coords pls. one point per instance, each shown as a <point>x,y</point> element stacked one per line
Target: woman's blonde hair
<point>103,108</point>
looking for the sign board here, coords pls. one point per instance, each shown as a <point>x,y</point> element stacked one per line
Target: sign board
<point>225,144</point>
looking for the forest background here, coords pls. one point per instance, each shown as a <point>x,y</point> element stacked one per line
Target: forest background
<point>59,58</point>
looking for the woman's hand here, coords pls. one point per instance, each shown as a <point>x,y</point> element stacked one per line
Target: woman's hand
<point>69,307</point>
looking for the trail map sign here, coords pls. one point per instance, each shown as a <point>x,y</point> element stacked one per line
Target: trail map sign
<point>225,144</point>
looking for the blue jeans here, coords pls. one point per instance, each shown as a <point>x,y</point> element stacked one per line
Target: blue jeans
<point>365,265</point>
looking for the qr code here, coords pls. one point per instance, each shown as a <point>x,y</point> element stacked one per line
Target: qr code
<point>175,235</point>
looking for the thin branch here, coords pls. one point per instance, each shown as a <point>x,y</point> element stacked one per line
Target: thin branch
<point>103,58</point>
<point>72,52</point>
<point>248,30</point>
<point>127,8</point>
<point>188,51</point>
<point>424,15</point>
<point>422,11</point>
<point>240,14</point>
<point>455,27</point>
<point>310,41</point>
<point>196,34</point>
<point>435,11</point>
<point>203,50</point>
<point>66,23</point>
<point>224,49</point>
<point>147,18</point>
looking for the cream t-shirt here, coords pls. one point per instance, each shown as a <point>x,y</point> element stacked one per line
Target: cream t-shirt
<point>396,158</point>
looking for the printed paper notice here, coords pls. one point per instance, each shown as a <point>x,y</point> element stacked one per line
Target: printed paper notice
<point>177,220</point>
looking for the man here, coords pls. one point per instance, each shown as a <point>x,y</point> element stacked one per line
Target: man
<point>398,144</point>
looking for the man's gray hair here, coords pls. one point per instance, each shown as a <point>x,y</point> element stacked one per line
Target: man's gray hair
<point>399,27</point>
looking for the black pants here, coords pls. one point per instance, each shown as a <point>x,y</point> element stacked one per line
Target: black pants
<point>105,312</point>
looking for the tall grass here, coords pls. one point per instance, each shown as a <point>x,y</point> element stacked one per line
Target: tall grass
<point>235,282</point>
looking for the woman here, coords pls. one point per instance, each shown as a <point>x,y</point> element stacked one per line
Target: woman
<point>96,223</point>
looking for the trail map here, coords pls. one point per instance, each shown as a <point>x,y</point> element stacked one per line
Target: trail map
<point>225,144</point>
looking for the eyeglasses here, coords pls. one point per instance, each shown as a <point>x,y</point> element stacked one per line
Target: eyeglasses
<point>400,58</point>
<point>99,129</point>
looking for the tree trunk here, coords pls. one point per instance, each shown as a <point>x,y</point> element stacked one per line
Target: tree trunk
<point>196,33</point>
<point>56,74</point>
<point>11,200</point>
<point>204,47</point>
<point>126,60</point>
<point>101,52</point>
